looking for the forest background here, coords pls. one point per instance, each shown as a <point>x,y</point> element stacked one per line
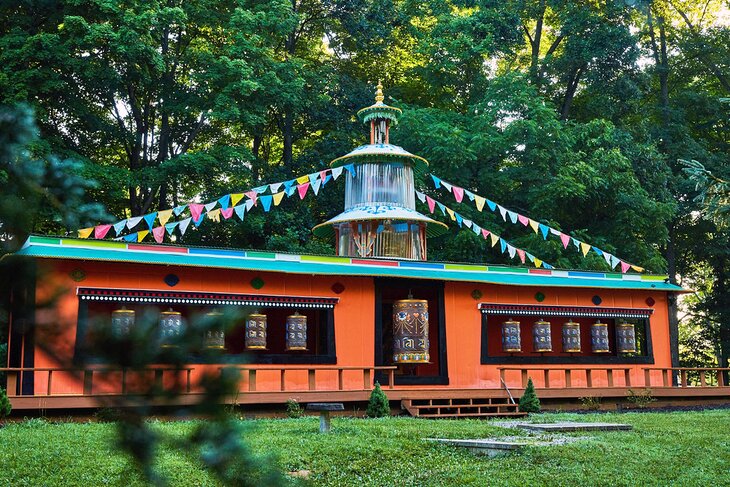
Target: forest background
<point>576,113</point>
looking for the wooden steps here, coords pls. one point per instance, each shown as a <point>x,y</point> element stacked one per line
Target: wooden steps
<point>488,407</point>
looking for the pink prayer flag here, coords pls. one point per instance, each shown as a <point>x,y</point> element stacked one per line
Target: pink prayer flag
<point>431,203</point>
<point>158,233</point>
<point>485,233</point>
<point>302,188</point>
<point>458,193</point>
<point>625,267</point>
<point>523,219</point>
<point>565,239</point>
<point>227,213</point>
<point>195,210</point>
<point>100,231</point>
<point>521,253</point>
<point>252,195</point>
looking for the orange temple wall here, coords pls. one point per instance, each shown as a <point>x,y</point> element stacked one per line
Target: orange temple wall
<point>354,316</point>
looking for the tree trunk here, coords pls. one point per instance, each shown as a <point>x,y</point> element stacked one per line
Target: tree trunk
<point>573,81</point>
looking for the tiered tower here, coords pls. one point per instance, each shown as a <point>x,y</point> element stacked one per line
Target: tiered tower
<point>380,218</point>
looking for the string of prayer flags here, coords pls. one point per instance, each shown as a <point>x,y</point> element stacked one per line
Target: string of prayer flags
<point>539,228</point>
<point>224,206</point>
<point>504,245</point>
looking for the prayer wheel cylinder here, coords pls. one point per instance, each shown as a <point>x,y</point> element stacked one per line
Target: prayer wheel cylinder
<point>599,337</point>
<point>296,332</point>
<point>410,331</point>
<point>571,336</point>
<point>122,322</point>
<point>171,327</point>
<point>511,341</point>
<point>255,332</point>
<point>542,340</point>
<point>626,342</point>
<point>214,337</point>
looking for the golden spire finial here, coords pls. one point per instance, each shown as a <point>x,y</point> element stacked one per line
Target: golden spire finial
<point>379,93</point>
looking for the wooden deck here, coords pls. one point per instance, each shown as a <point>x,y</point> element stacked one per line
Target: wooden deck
<point>269,386</point>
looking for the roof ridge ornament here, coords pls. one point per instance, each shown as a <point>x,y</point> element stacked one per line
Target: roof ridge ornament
<point>379,93</point>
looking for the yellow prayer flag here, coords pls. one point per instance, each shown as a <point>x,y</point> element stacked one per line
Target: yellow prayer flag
<point>164,216</point>
<point>141,235</point>
<point>495,239</point>
<point>534,224</point>
<point>278,197</point>
<point>85,232</point>
<point>538,262</point>
<point>302,179</point>
<point>235,198</point>
<point>584,247</point>
<point>479,202</point>
<point>451,213</point>
<point>215,215</point>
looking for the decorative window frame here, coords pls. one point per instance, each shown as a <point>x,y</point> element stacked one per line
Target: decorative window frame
<point>324,305</point>
<point>488,310</point>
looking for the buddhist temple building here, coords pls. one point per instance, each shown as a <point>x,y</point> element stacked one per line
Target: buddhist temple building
<point>442,339</point>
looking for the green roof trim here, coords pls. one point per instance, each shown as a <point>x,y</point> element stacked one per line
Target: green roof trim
<point>106,251</point>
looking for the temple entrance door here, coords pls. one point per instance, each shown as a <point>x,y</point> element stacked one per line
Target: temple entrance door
<point>387,291</point>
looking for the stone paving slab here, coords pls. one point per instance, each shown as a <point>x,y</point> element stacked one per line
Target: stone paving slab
<point>483,447</point>
<point>568,427</point>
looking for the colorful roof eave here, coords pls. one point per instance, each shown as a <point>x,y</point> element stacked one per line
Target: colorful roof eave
<point>108,251</point>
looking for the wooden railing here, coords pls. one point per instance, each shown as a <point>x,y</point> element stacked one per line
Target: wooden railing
<point>564,377</point>
<point>250,373</point>
<point>86,377</point>
<point>570,375</point>
<point>687,376</point>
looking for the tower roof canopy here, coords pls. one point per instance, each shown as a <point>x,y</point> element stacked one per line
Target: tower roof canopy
<point>380,212</point>
<point>379,109</point>
<point>383,153</point>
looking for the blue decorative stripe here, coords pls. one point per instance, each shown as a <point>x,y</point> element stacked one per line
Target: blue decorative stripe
<point>600,275</point>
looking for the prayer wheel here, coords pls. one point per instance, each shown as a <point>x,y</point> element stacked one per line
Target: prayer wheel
<point>511,341</point>
<point>171,327</point>
<point>296,332</point>
<point>599,337</point>
<point>214,337</point>
<point>542,337</point>
<point>256,332</point>
<point>122,322</point>
<point>626,342</point>
<point>410,331</point>
<point>571,336</point>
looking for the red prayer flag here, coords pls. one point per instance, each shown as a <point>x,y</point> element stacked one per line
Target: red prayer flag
<point>100,231</point>
<point>302,188</point>
<point>158,233</point>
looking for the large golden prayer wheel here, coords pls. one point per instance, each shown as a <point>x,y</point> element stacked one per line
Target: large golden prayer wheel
<point>571,336</point>
<point>511,340</point>
<point>171,327</point>
<point>542,340</point>
<point>296,332</point>
<point>255,332</point>
<point>122,322</point>
<point>214,337</point>
<point>599,337</point>
<point>626,342</point>
<point>410,331</point>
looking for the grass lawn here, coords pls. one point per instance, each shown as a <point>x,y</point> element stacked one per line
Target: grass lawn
<point>681,448</point>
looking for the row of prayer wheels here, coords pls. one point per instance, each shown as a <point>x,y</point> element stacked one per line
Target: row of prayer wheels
<point>171,326</point>
<point>542,337</point>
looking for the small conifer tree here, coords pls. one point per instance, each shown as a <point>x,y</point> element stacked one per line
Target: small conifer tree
<point>529,403</point>
<point>5,406</point>
<point>378,405</point>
